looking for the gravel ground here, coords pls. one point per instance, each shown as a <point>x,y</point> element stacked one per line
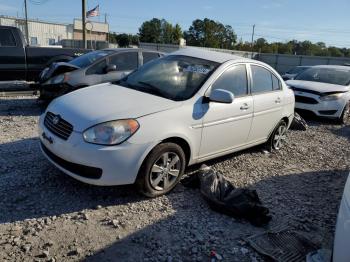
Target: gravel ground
<point>47,216</point>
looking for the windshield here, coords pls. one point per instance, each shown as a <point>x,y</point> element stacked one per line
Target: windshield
<point>88,59</point>
<point>326,75</point>
<point>296,70</point>
<point>173,77</point>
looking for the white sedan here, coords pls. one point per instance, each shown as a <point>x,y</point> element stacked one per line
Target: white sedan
<point>323,90</point>
<point>185,108</point>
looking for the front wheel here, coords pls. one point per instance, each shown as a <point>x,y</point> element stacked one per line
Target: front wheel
<point>344,118</point>
<point>161,170</point>
<point>278,137</point>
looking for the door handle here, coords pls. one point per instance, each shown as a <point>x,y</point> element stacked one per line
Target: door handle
<point>278,100</point>
<point>244,106</point>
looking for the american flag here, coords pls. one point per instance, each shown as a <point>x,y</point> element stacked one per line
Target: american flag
<point>93,12</point>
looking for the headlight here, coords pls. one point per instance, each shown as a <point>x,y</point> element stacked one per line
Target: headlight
<point>331,97</point>
<point>111,133</point>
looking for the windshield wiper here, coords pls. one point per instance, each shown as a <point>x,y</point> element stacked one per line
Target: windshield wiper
<point>153,89</point>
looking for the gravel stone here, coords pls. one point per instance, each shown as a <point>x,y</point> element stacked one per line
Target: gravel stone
<point>46,213</point>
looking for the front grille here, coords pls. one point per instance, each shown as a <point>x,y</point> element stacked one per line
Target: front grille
<point>305,100</point>
<point>80,170</point>
<point>58,126</point>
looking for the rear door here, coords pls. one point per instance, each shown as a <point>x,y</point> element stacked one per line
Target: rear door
<point>12,56</point>
<point>266,89</point>
<point>125,62</point>
<point>149,56</point>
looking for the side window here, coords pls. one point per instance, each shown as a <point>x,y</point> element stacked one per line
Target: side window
<point>233,80</point>
<point>149,56</point>
<point>6,38</point>
<point>262,80</point>
<point>33,40</point>
<point>127,61</point>
<point>276,83</point>
<point>97,69</point>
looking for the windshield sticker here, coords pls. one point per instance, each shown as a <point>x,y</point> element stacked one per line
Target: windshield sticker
<point>196,69</point>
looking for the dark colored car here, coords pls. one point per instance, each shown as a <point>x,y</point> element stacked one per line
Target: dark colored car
<point>18,61</point>
<point>96,67</point>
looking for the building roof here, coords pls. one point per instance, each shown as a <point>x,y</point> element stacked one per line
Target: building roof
<point>218,57</point>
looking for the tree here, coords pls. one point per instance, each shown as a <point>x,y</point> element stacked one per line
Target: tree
<point>123,40</point>
<point>151,31</point>
<point>209,33</point>
<point>177,34</point>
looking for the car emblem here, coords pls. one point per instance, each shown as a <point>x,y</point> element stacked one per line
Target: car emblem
<point>56,120</point>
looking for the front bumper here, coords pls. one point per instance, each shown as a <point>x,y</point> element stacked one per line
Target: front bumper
<point>49,92</point>
<point>329,109</point>
<point>118,165</point>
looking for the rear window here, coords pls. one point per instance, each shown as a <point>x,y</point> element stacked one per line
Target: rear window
<point>7,38</point>
<point>336,76</point>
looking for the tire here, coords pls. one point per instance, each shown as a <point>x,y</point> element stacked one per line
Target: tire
<point>278,137</point>
<point>345,116</point>
<point>155,176</point>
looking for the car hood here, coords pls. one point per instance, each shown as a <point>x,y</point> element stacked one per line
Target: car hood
<point>317,86</point>
<point>105,102</point>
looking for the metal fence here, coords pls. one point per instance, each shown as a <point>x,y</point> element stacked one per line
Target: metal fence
<point>72,43</point>
<point>280,62</point>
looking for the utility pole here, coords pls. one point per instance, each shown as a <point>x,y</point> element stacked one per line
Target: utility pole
<point>253,38</point>
<point>83,15</point>
<point>26,25</point>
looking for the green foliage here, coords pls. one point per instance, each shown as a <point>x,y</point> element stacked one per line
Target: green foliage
<point>160,31</point>
<point>123,40</point>
<point>209,33</point>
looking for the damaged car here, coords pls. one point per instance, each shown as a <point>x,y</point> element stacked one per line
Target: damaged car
<point>323,91</point>
<point>93,68</point>
<point>184,108</point>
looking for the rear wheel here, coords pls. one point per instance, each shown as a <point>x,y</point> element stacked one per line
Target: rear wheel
<point>344,118</point>
<point>278,137</point>
<point>161,170</point>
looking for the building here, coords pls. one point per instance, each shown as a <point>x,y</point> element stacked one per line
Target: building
<point>43,33</point>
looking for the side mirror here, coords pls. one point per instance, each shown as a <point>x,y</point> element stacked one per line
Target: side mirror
<point>221,96</point>
<point>111,68</point>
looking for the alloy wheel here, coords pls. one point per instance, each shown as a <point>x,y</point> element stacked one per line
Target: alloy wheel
<point>165,171</point>
<point>280,137</point>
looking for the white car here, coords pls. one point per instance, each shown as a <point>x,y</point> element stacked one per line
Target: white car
<point>185,108</point>
<point>292,73</point>
<point>323,90</point>
<point>341,251</point>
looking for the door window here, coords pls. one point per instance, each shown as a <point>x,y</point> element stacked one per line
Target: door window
<point>149,56</point>
<point>98,68</point>
<point>276,83</point>
<point>6,38</point>
<point>262,80</point>
<point>126,61</point>
<point>233,80</point>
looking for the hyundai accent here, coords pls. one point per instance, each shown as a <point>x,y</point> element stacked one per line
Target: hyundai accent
<point>187,107</point>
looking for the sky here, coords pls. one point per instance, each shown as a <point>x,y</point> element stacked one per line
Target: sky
<point>275,20</point>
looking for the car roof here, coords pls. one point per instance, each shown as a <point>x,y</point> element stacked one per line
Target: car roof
<point>219,57</point>
<point>333,67</point>
<point>122,49</point>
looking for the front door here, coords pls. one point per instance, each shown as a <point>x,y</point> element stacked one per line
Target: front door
<point>227,126</point>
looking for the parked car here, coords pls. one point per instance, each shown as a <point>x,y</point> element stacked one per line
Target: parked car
<point>341,251</point>
<point>93,68</point>
<point>18,61</point>
<point>292,73</point>
<point>187,107</point>
<point>324,91</point>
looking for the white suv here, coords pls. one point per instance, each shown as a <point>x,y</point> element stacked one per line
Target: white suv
<point>185,108</point>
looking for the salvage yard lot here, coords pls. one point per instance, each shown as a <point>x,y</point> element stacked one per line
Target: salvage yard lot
<point>46,215</point>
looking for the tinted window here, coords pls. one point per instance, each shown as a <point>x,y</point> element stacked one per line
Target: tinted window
<point>125,61</point>
<point>337,76</point>
<point>6,38</point>
<point>98,68</point>
<point>276,83</point>
<point>262,81</point>
<point>233,80</point>
<point>148,56</point>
